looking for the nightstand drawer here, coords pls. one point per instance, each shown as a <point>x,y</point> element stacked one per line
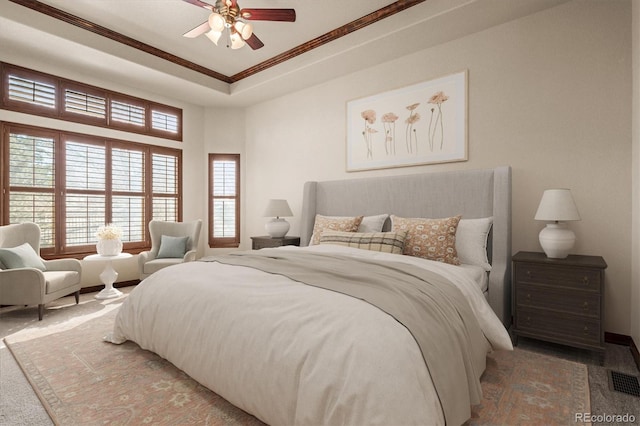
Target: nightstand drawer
<point>564,327</point>
<point>561,299</point>
<point>579,278</point>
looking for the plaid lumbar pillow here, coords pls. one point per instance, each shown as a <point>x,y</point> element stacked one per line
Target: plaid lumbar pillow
<point>387,242</point>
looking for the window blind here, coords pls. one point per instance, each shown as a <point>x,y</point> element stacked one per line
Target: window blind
<point>164,187</point>
<point>224,200</point>
<point>83,103</point>
<point>127,113</point>
<point>164,121</point>
<point>85,203</point>
<point>31,183</point>
<point>32,91</point>
<point>128,181</point>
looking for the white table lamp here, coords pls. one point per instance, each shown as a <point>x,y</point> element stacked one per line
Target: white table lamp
<point>557,206</point>
<point>277,227</point>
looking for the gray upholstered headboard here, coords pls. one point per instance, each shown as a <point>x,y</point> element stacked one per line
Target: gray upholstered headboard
<point>471,193</point>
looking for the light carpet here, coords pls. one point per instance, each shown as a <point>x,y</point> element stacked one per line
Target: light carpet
<point>82,380</point>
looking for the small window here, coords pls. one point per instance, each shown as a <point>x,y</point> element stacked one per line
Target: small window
<point>32,91</point>
<point>29,91</point>
<point>224,200</point>
<point>127,113</point>
<point>84,103</point>
<point>164,121</point>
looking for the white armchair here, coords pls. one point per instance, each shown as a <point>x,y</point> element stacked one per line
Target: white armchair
<point>156,259</point>
<point>31,285</point>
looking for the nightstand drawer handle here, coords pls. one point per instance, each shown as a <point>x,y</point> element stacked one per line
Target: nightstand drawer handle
<point>586,330</point>
<point>528,296</point>
<point>585,280</point>
<point>585,306</point>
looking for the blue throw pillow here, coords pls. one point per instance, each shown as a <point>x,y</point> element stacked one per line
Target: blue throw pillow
<point>172,247</point>
<point>23,256</point>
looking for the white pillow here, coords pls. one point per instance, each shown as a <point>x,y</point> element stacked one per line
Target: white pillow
<point>471,241</point>
<point>372,223</point>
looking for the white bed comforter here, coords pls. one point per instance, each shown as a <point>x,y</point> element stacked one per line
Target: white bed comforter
<point>290,353</point>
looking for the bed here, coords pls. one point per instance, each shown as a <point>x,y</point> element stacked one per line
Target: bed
<point>331,334</point>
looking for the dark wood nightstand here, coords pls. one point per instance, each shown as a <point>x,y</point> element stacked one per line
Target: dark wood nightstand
<point>267,241</point>
<point>559,300</point>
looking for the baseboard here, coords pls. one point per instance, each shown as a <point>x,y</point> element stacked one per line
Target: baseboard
<point>116,285</point>
<point>635,353</point>
<point>621,339</point>
<point>617,339</point>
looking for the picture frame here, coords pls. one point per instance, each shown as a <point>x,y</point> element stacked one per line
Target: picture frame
<point>425,123</point>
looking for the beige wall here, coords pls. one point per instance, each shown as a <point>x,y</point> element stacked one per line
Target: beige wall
<point>635,235</point>
<point>549,94</point>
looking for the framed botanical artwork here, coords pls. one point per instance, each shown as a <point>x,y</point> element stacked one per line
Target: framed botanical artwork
<point>420,124</point>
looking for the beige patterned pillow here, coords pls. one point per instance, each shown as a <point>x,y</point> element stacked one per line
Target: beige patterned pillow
<point>333,223</point>
<point>433,239</point>
<point>386,242</point>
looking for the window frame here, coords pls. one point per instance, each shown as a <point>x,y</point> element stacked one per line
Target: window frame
<point>61,84</point>
<point>60,138</point>
<point>220,242</point>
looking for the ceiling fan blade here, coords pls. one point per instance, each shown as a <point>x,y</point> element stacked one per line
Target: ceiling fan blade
<point>200,29</point>
<point>283,15</point>
<point>254,42</point>
<point>199,4</point>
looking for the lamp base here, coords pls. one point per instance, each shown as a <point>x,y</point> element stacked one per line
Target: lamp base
<point>556,240</point>
<point>277,228</point>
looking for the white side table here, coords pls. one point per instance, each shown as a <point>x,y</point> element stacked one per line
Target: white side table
<point>109,275</point>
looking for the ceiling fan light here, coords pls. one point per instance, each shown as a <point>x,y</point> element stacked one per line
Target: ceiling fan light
<point>244,28</point>
<point>214,36</point>
<point>236,40</point>
<point>216,22</point>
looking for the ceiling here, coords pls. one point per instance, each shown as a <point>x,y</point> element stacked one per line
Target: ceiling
<point>157,58</point>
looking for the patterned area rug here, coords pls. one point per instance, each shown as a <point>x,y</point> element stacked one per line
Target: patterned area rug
<point>527,388</point>
<point>82,380</point>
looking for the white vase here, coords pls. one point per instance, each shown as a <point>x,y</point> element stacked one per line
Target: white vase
<point>109,247</point>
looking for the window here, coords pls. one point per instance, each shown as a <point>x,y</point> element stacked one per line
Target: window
<point>84,104</point>
<point>165,194</point>
<point>34,92</point>
<point>127,113</point>
<point>164,121</point>
<point>224,200</point>
<point>70,184</point>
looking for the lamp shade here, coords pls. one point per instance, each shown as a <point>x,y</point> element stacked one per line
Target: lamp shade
<point>557,205</point>
<point>277,208</point>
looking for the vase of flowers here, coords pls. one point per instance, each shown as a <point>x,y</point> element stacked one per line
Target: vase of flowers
<point>109,240</point>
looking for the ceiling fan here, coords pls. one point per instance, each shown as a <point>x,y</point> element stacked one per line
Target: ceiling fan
<point>227,17</point>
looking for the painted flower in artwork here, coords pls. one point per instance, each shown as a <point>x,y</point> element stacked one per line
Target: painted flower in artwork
<point>389,123</point>
<point>436,126</point>
<point>369,117</point>
<point>411,135</point>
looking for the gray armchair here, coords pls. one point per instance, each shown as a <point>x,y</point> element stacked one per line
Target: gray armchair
<point>153,260</point>
<point>32,286</point>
